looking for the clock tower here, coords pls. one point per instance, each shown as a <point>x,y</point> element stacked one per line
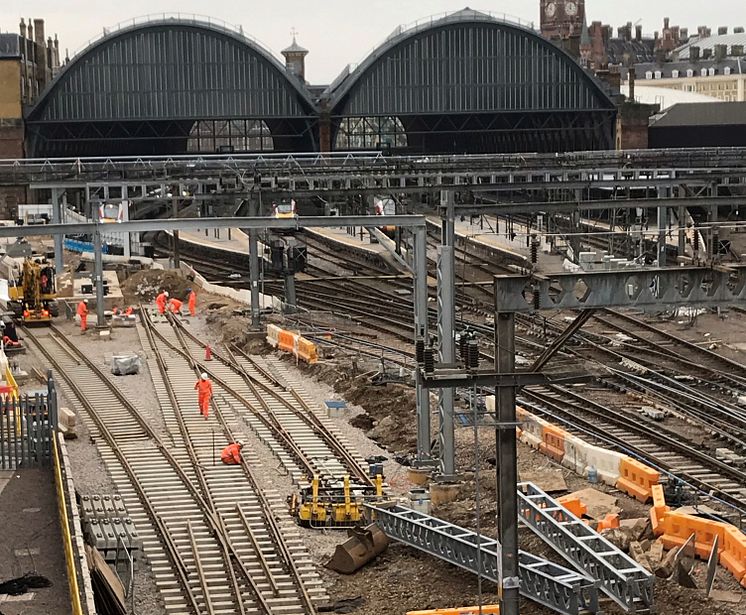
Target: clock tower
<point>562,22</point>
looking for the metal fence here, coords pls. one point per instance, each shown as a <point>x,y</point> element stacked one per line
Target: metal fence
<point>26,427</point>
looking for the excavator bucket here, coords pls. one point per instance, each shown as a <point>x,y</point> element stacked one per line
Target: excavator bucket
<point>363,545</point>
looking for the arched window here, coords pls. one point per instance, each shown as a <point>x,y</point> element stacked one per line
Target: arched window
<point>226,136</point>
<point>371,133</point>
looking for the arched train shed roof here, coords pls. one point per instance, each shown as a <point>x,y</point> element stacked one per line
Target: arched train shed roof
<point>467,62</point>
<point>172,68</point>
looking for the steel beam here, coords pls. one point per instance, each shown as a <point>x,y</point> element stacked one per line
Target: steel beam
<point>622,579</point>
<point>549,584</point>
<point>98,277</point>
<point>59,253</point>
<point>254,267</point>
<point>458,378</point>
<point>446,328</point>
<point>507,464</point>
<point>424,452</point>
<point>642,289</point>
<point>193,224</point>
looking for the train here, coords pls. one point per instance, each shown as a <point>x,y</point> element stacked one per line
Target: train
<point>385,206</point>
<point>284,210</point>
<point>111,213</point>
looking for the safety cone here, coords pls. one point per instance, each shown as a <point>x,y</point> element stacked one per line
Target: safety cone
<point>208,353</point>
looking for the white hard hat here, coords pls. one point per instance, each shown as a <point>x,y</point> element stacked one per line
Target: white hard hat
<point>85,300</point>
<point>165,292</point>
<point>204,376</point>
<point>239,442</point>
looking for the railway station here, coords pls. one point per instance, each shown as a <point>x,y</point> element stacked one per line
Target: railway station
<point>452,334</point>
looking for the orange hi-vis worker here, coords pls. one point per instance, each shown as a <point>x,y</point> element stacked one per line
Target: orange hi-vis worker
<point>204,388</point>
<point>160,302</point>
<point>83,313</point>
<point>192,302</point>
<point>175,305</point>
<point>231,454</point>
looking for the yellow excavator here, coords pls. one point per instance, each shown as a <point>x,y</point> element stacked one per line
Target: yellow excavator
<point>33,297</point>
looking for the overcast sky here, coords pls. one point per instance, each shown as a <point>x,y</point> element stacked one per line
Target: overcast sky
<point>339,32</point>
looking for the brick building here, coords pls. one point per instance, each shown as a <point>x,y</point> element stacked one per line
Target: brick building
<point>28,61</point>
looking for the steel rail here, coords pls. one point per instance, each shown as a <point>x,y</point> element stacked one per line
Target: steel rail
<point>170,548</point>
<point>602,414</point>
<point>268,515</point>
<point>273,425</point>
<point>228,551</point>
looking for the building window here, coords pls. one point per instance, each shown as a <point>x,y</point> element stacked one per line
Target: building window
<point>726,70</point>
<point>227,136</point>
<point>675,74</point>
<point>649,74</point>
<point>712,72</point>
<point>690,72</point>
<point>371,133</point>
<point>703,72</point>
<point>658,74</point>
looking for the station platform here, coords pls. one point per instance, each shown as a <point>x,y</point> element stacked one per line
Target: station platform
<point>232,239</point>
<point>358,238</point>
<point>32,541</point>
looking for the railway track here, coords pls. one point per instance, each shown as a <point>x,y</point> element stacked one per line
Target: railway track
<point>282,416</point>
<point>210,534</point>
<point>652,443</point>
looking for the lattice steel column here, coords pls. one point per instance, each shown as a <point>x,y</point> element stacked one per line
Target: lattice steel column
<point>446,326</point>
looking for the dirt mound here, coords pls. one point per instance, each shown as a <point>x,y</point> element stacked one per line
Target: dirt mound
<point>146,285</point>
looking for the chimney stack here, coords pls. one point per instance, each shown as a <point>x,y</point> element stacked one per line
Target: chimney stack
<point>631,78</point>
<point>638,33</point>
<point>666,22</point>
<point>738,30</point>
<point>295,60</point>
<point>722,30</point>
<point>39,29</point>
<point>684,33</point>
<point>721,52</point>
<point>22,26</point>
<point>694,52</point>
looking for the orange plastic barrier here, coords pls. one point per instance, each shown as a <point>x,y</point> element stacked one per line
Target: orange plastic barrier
<point>307,351</point>
<point>286,341</point>
<point>553,442</point>
<point>491,609</point>
<point>609,522</point>
<point>637,479</point>
<point>677,528</point>
<point>574,505</point>
<point>658,510</point>
<point>733,555</point>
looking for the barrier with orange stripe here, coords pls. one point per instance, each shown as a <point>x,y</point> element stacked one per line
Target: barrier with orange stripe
<point>658,510</point>
<point>553,442</point>
<point>733,555</point>
<point>636,479</point>
<point>489,609</point>
<point>678,528</point>
<point>292,342</point>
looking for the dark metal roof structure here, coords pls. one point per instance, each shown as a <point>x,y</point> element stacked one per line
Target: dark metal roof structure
<point>471,83</point>
<point>465,83</point>
<point>169,73</point>
<point>700,125</point>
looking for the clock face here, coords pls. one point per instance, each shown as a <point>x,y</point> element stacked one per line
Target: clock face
<point>571,8</point>
<point>551,9</point>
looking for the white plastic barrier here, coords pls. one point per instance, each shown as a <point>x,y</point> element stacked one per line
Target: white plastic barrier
<point>576,454</point>
<point>273,334</point>
<point>606,464</point>
<point>489,402</point>
<point>533,429</point>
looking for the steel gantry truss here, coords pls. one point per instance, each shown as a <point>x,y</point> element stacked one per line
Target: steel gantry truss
<point>544,582</point>
<point>621,578</point>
